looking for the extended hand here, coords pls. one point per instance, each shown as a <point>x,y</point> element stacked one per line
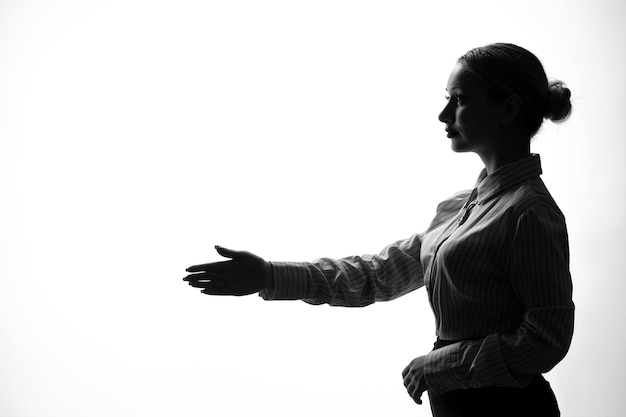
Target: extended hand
<point>414,380</point>
<point>244,274</point>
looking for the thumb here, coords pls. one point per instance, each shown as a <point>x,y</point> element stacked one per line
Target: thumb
<point>226,253</point>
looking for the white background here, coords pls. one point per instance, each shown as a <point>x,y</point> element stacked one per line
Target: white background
<point>135,135</point>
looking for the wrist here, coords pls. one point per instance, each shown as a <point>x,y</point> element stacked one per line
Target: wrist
<point>269,276</point>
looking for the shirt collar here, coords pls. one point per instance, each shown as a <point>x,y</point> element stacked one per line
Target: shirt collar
<point>507,176</point>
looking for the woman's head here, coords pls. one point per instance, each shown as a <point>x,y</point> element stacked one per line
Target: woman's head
<point>498,98</point>
<point>506,70</point>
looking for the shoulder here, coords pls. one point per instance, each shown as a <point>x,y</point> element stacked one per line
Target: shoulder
<point>535,214</point>
<point>532,198</point>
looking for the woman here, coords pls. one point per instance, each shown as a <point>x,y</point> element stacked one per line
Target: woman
<point>494,260</point>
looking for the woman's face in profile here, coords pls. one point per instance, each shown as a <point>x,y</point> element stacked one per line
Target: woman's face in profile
<point>472,118</point>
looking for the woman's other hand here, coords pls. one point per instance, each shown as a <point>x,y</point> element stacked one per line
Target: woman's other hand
<point>414,380</point>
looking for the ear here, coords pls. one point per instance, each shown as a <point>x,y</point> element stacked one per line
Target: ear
<point>511,108</point>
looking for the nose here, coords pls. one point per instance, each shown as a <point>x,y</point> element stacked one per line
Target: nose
<point>447,114</point>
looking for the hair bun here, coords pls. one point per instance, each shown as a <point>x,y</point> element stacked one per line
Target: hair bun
<point>559,106</point>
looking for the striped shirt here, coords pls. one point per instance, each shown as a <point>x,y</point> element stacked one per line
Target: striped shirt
<point>495,263</point>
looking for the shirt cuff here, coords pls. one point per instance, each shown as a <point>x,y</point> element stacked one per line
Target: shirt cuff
<point>290,281</point>
<point>441,369</point>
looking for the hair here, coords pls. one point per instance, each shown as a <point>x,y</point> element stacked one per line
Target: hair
<point>505,69</point>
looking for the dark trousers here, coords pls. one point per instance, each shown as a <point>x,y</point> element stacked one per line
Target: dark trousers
<point>535,400</point>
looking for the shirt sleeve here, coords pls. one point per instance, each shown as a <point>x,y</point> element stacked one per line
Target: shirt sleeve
<point>539,264</point>
<point>354,281</point>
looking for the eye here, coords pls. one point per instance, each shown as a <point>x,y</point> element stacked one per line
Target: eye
<point>458,98</point>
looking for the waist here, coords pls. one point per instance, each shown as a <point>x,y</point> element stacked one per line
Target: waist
<point>439,343</point>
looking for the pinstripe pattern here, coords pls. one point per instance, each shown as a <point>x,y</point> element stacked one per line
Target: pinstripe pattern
<point>495,263</point>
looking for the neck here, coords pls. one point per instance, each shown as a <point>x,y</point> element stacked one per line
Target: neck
<point>501,157</point>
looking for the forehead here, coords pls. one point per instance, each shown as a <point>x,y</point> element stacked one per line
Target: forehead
<point>461,78</point>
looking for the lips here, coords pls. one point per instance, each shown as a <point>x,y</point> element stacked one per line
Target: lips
<point>452,133</point>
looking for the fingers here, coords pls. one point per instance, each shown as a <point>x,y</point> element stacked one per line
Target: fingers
<point>213,267</point>
<point>226,253</point>
<point>414,382</point>
<point>217,291</point>
<point>243,274</point>
<point>419,390</point>
<point>415,390</point>
<point>202,280</point>
<point>406,379</point>
<point>203,275</point>
<point>215,287</point>
<point>212,286</point>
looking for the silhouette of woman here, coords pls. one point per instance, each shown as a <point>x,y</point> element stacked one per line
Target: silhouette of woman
<point>494,260</point>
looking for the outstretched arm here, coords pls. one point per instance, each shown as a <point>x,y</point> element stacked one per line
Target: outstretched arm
<point>351,281</point>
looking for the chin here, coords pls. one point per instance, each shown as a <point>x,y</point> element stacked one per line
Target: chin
<point>458,146</point>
